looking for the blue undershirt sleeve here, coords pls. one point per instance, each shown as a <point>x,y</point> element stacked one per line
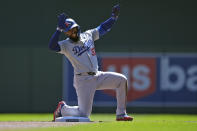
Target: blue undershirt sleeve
<point>106,26</point>
<point>53,43</point>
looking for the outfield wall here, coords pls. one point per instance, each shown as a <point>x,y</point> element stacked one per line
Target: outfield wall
<point>30,79</point>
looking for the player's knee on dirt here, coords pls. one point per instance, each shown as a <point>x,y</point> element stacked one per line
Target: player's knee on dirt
<point>84,115</point>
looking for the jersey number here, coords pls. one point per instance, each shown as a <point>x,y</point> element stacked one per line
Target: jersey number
<point>93,51</point>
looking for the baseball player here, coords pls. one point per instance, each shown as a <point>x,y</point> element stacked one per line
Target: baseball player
<point>80,51</point>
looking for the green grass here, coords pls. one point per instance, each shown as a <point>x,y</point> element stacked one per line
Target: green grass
<point>142,122</point>
<point>26,117</point>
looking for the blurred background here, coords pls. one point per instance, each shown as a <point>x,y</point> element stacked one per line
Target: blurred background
<point>31,76</point>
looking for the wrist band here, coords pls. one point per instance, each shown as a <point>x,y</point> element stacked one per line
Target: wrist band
<point>61,30</point>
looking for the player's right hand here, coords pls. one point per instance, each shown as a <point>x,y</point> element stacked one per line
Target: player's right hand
<point>61,20</point>
<point>116,11</point>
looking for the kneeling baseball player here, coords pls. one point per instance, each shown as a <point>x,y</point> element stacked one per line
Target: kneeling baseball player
<point>80,51</point>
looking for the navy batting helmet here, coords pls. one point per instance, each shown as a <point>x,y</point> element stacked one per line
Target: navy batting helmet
<point>70,23</point>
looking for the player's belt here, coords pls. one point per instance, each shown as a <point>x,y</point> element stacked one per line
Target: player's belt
<point>87,73</point>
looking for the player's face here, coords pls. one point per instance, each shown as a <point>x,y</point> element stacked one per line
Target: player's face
<point>72,34</point>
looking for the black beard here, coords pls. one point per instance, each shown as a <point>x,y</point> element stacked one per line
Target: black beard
<point>75,39</point>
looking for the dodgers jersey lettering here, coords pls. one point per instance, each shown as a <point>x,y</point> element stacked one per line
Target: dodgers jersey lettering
<point>82,54</point>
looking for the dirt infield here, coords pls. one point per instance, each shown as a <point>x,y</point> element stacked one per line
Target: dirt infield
<point>14,125</point>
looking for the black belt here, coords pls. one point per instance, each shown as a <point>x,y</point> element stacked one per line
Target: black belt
<point>87,73</point>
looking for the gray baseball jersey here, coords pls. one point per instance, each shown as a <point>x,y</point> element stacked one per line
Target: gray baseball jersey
<point>81,54</point>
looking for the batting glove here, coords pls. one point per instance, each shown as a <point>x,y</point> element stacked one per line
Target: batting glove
<point>61,22</point>
<point>115,11</point>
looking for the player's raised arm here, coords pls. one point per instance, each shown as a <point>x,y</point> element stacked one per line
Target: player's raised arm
<point>53,43</point>
<point>107,25</point>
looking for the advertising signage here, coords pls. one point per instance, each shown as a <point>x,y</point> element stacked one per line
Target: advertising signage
<point>154,79</point>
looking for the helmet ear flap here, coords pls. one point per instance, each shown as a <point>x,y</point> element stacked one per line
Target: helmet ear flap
<point>79,31</point>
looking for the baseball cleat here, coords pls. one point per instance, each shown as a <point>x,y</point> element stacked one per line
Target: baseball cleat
<point>124,117</point>
<point>57,112</point>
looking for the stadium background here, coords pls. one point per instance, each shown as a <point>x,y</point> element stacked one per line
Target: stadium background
<point>31,75</point>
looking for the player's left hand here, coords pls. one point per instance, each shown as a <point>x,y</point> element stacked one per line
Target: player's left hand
<point>61,20</point>
<point>115,11</point>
